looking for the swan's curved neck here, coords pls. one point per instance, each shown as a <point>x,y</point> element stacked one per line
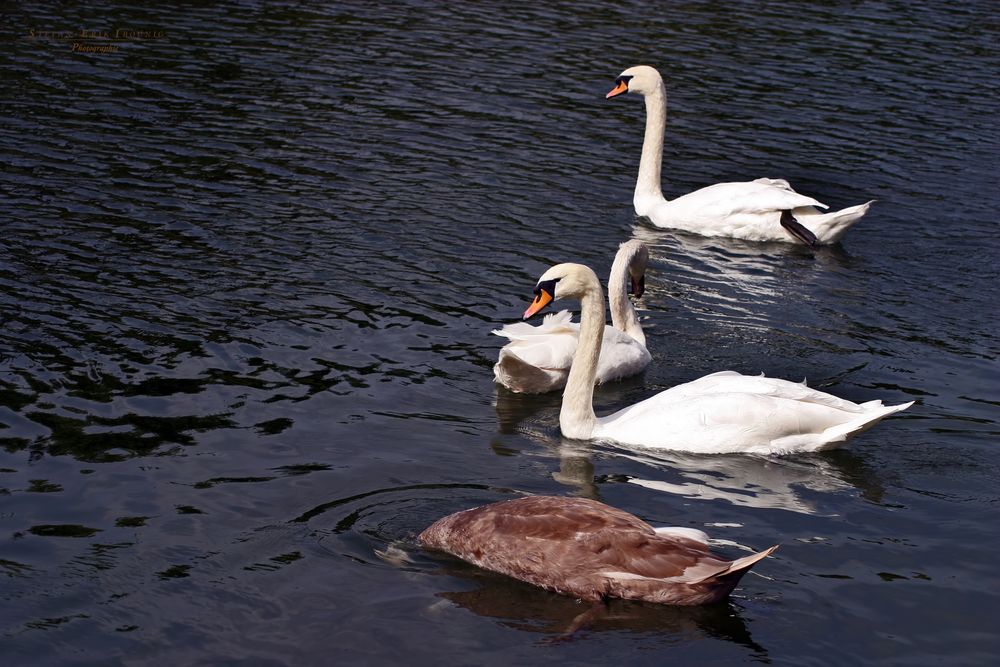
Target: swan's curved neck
<point>623,315</point>
<point>647,186</point>
<point>576,417</point>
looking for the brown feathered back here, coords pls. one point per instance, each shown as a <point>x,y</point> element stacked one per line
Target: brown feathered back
<point>587,549</point>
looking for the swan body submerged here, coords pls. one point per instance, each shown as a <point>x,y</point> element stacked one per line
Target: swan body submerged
<point>537,358</point>
<point>765,209</point>
<point>584,548</point>
<point>722,412</point>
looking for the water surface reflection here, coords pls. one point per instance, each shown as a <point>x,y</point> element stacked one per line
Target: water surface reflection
<point>518,605</point>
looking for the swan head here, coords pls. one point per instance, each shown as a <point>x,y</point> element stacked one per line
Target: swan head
<point>641,79</point>
<point>638,258</point>
<point>562,281</point>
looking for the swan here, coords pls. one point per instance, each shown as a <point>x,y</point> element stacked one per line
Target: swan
<point>584,548</point>
<point>537,358</point>
<point>767,209</point>
<point>722,412</point>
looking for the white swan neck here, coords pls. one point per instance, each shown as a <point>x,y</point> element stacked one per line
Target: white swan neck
<point>576,417</point>
<point>648,190</point>
<point>623,315</point>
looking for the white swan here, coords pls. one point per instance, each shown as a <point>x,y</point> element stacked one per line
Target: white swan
<point>766,209</point>
<point>537,358</point>
<point>719,413</point>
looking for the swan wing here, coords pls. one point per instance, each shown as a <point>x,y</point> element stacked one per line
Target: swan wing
<point>715,423</point>
<point>550,347</point>
<point>553,323</point>
<point>737,383</point>
<point>621,356</point>
<point>774,417</point>
<point>722,200</point>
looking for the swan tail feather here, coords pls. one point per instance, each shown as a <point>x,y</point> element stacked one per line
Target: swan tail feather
<point>831,227</point>
<point>835,435</point>
<point>737,568</point>
<point>841,432</point>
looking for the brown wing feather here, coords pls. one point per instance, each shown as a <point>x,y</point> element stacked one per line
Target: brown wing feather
<point>583,548</point>
<point>650,555</point>
<point>542,517</point>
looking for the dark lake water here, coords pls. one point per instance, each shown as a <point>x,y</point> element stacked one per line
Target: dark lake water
<point>248,273</point>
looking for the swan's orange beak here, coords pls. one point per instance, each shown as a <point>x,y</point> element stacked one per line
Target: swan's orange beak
<point>621,87</point>
<point>541,300</point>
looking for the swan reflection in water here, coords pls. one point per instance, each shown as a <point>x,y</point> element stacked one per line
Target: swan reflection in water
<point>527,608</point>
<point>734,274</point>
<point>794,484</point>
<point>516,414</point>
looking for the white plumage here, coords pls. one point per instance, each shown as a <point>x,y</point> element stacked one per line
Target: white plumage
<point>765,209</point>
<point>537,358</point>
<point>718,413</point>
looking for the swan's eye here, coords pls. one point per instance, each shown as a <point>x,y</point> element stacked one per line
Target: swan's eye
<point>544,294</point>
<point>624,79</point>
<point>549,287</point>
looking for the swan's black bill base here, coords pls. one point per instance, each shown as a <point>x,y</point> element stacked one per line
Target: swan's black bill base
<point>544,294</point>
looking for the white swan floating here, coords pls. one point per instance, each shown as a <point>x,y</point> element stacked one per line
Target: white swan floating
<point>583,548</point>
<point>537,358</point>
<point>719,413</point>
<point>766,209</point>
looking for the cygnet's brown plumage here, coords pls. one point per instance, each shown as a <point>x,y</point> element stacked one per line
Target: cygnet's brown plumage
<point>589,550</point>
